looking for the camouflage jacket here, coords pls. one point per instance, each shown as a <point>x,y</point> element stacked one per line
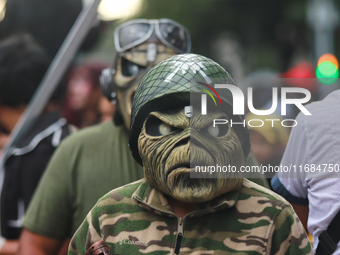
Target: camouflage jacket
<point>137,219</point>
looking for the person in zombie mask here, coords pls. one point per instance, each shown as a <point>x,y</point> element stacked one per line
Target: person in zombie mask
<point>140,45</point>
<point>97,159</point>
<point>168,212</point>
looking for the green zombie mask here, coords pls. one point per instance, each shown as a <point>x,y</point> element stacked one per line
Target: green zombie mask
<point>168,153</point>
<point>168,143</point>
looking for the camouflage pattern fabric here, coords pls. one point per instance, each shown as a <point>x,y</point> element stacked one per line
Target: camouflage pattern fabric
<point>137,219</point>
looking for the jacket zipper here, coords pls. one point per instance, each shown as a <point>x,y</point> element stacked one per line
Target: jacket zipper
<point>179,235</point>
<point>179,225</point>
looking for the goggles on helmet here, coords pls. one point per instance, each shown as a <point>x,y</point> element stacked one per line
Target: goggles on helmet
<point>135,32</point>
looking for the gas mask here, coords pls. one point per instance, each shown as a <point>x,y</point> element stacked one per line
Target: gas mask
<point>131,67</point>
<point>140,44</point>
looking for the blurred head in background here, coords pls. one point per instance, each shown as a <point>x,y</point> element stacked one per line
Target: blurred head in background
<point>140,44</point>
<point>83,95</point>
<point>23,64</point>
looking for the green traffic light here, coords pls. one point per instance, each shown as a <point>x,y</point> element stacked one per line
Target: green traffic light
<point>327,73</point>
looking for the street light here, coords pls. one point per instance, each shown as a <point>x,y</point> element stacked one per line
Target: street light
<point>2,9</point>
<point>117,9</point>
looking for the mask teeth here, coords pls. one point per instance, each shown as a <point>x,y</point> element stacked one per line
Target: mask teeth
<point>188,111</point>
<point>151,54</point>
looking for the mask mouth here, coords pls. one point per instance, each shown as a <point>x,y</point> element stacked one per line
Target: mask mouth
<point>185,168</point>
<point>177,166</point>
<point>177,169</point>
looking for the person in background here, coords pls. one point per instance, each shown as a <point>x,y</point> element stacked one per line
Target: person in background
<point>96,159</point>
<point>23,64</point>
<point>313,188</point>
<point>81,107</point>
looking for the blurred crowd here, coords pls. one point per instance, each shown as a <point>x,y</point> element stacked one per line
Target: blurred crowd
<point>83,103</point>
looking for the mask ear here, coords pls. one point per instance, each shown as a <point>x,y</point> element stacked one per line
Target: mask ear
<point>107,84</point>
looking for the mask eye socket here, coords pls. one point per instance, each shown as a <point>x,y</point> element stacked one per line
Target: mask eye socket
<point>218,130</point>
<point>130,68</point>
<point>156,127</point>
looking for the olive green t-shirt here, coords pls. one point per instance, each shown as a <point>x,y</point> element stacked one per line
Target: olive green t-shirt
<point>86,165</point>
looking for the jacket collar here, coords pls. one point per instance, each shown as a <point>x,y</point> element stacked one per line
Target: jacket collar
<point>154,200</point>
<point>40,124</point>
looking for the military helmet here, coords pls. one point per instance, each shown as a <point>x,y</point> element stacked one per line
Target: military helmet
<point>168,85</point>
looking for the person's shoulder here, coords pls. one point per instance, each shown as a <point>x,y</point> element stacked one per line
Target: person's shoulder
<point>93,134</point>
<point>262,195</point>
<point>94,130</point>
<point>123,194</point>
<point>329,104</point>
<point>322,111</point>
